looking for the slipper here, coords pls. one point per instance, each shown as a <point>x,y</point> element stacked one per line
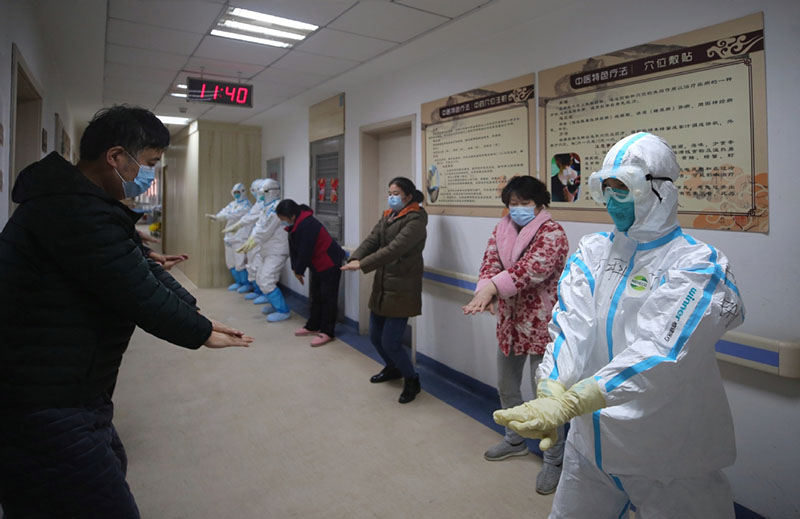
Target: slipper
<point>302,332</point>
<point>320,339</point>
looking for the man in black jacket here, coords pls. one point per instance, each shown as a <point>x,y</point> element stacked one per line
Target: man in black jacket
<point>73,285</point>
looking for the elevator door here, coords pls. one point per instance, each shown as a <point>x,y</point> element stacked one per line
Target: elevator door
<point>327,184</point>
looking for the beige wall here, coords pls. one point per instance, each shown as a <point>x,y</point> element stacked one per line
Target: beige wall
<point>205,160</point>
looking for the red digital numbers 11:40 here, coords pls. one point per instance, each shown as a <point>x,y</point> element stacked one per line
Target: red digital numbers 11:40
<point>223,93</point>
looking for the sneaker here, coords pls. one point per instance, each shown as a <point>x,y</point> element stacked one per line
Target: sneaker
<point>505,450</point>
<point>274,317</point>
<point>302,332</point>
<point>547,480</point>
<point>320,339</point>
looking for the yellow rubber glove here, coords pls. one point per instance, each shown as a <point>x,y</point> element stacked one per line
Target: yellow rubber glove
<point>248,246</point>
<point>535,419</point>
<point>548,388</point>
<point>231,228</point>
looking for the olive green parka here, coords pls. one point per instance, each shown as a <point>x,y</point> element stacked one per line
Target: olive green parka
<point>394,251</point>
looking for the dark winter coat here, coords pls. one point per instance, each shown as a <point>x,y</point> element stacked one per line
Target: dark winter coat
<point>310,245</point>
<point>394,251</point>
<point>73,285</point>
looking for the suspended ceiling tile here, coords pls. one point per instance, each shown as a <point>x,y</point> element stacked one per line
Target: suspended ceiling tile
<point>143,36</point>
<point>338,44</point>
<point>120,95</point>
<point>449,8</point>
<point>228,69</point>
<point>299,61</point>
<point>136,73</point>
<point>217,47</point>
<point>317,12</point>
<point>133,85</point>
<point>173,105</point>
<point>144,58</point>
<point>185,15</point>
<point>387,21</point>
<point>284,77</point>
<point>272,89</point>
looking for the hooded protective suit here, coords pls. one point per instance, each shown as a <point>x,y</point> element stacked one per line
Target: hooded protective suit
<point>236,233</point>
<point>230,213</point>
<point>266,241</point>
<point>640,311</point>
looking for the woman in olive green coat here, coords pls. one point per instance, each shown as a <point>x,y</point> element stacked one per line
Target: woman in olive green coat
<point>394,251</point>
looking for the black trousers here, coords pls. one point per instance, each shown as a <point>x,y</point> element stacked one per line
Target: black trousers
<point>324,296</point>
<point>66,463</point>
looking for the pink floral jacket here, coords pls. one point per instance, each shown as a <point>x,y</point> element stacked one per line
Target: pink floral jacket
<point>525,266</point>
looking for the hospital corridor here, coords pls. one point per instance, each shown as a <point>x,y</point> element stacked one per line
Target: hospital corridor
<point>399,258</point>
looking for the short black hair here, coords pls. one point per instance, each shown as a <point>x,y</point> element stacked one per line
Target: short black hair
<point>563,158</point>
<point>131,127</point>
<point>408,188</point>
<point>526,188</point>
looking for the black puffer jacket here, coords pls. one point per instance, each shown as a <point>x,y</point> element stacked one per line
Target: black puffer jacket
<point>73,284</point>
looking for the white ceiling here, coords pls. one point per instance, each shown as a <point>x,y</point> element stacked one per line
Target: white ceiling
<point>152,45</point>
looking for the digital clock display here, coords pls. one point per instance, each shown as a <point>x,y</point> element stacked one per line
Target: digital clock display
<point>207,91</point>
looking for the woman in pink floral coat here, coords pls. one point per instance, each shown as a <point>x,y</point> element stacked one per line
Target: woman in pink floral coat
<point>520,272</point>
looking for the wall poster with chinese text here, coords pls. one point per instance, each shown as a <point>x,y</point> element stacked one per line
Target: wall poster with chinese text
<point>702,91</point>
<point>473,143</point>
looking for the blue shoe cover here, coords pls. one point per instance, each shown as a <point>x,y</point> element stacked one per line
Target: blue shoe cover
<point>247,287</point>
<point>235,285</point>
<point>251,295</point>
<point>276,299</point>
<point>274,317</point>
<point>260,300</point>
<point>268,310</point>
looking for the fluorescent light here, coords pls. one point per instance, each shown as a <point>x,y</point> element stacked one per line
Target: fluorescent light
<point>252,39</point>
<point>182,86</point>
<point>168,119</point>
<point>276,20</point>
<point>177,94</point>
<point>233,24</point>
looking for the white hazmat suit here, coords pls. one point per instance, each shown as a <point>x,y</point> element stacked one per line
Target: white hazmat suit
<point>640,312</point>
<point>267,250</point>
<point>240,230</point>
<point>232,212</point>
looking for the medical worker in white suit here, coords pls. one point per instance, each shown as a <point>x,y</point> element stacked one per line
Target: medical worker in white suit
<point>267,249</point>
<point>241,228</point>
<point>632,363</point>
<point>232,212</point>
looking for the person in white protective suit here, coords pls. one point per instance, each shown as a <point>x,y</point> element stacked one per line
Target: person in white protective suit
<point>240,231</point>
<point>632,359</point>
<point>267,249</point>
<point>232,212</point>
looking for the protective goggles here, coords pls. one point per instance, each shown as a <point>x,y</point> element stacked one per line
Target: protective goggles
<point>636,179</point>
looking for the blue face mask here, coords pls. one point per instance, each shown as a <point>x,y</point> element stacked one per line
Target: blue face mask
<point>522,215</point>
<point>621,212</point>
<point>237,195</point>
<point>395,202</point>
<point>141,183</point>
<point>286,224</point>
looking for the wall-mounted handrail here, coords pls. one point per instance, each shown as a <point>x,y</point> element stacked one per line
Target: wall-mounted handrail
<point>777,357</point>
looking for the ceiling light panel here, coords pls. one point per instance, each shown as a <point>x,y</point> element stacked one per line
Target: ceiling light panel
<point>265,29</point>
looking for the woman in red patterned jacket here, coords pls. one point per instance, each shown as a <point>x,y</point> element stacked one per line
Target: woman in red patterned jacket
<point>520,272</point>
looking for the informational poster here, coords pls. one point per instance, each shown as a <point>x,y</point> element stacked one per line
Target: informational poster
<point>473,143</point>
<point>703,92</point>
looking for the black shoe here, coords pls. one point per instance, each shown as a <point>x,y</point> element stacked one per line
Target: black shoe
<point>411,389</point>
<point>385,375</point>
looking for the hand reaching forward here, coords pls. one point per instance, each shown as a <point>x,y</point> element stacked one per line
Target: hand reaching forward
<point>223,336</point>
<point>352,265</point>
<point>484,300</point>
<point>539,418</point>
